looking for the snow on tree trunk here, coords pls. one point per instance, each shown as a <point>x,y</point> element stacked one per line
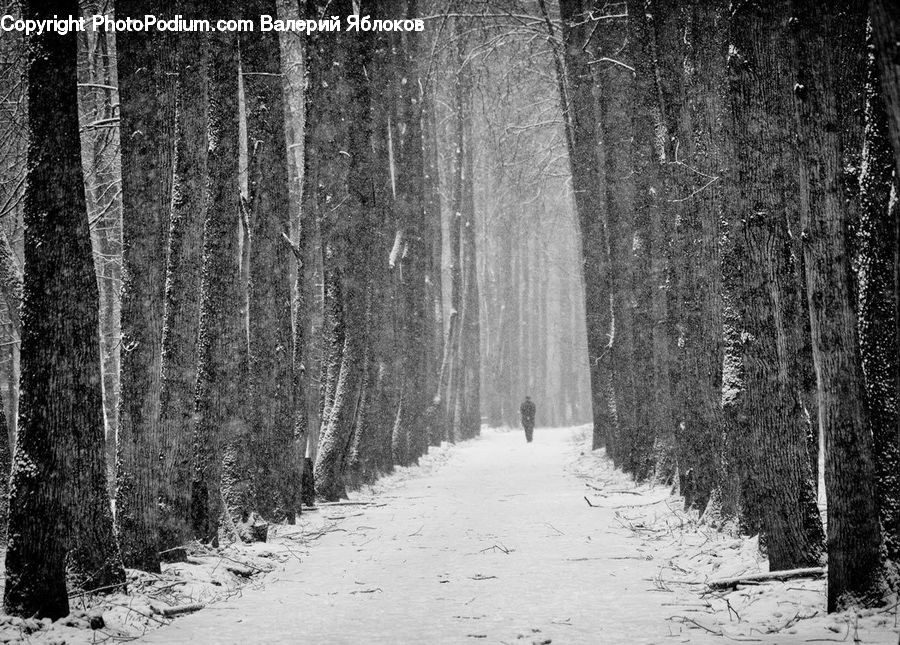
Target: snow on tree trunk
<point>146,95</point>
<point>616,87</point>
<point>692,84</point>
<point>878,233</point>
<point>768,303</point>
<point>886,34</point>
<point>580,112</point>
<point>182,307</point>
<point>341,188</point>
<point>829,42</point>
<point>274,473</point>
<point>59,509</point>
<point>219,428</point>
<point>650,358</point>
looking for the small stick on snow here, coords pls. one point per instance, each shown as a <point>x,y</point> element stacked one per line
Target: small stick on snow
<point>168,612</point>
<point>756,578</point>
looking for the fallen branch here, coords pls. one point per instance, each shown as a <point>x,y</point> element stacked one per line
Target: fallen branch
<point>177,610</point>
<point>756,578</point>
<point>347,502</point>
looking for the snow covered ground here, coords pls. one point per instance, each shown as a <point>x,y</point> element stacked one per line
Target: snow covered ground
<point>489,541</point>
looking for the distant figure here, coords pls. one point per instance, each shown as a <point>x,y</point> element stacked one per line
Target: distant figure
<point>526,410</point>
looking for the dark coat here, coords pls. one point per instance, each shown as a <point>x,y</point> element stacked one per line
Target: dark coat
<point>527,411</point>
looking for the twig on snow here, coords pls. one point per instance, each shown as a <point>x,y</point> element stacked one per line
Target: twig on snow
<point>756,578</point>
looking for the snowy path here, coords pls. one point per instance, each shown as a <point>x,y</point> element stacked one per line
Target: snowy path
<point>430,567</point>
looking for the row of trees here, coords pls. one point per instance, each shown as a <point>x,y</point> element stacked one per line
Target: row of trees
<point>249,230</point>
<point>735,185</point>
<point>533,309</point>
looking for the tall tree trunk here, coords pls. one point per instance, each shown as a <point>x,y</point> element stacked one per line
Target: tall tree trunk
<point>104,211</point>
<point>146,96</point>
<point>182,306</point>
<point>830,41</point>
<point>879,229</point>
<point>341,188</point>
<point>59,509</point>
<point>411,209</point>
<point>580,111</point>
<point>219,428</point>
<point>694,114</point>
<point>768,303</point>
<point>462,104</point>
<point>616,88</point>
<point>650,365</point>
<point>433,235</point>
<point>272,401</point>
<point>470,421</point>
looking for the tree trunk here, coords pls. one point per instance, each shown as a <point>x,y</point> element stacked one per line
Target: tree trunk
<point>59,509</point>
<point>694,114</point>
<point>411,205</point>
<point>650,363</point>
<point>588,186</point>
<point>616,88</point>
<point>826,41</point>
<point>182,307</point>
<point>434,235</point>
<point>219,428</point>
<point>145,63</point>
<point>879,228</point>
<point>768,303</point>
<point>272,401</point>
<point>470,421</point>
<point>99,100</point>
<point>341,189</point>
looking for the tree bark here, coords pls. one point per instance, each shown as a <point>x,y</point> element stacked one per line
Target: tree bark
<point>59,509</point>
<point>879,230</point>
<point>885,16</point>
<point>580,112</point>
<point>826,40</point>
<point>271,394</point>
<point>650,357</point>
<point>768,303</point>
<point>219,428</point>
<point>410,204</point>
<point>616,88</point>
<point>182,306</point>
<point>145,63</point>
<point>695,180</point>
<point>342,189</point>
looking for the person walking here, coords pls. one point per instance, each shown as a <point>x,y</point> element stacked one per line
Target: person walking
<point>526,411</point>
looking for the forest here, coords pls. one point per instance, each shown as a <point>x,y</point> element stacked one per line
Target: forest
<point>243,269</point>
